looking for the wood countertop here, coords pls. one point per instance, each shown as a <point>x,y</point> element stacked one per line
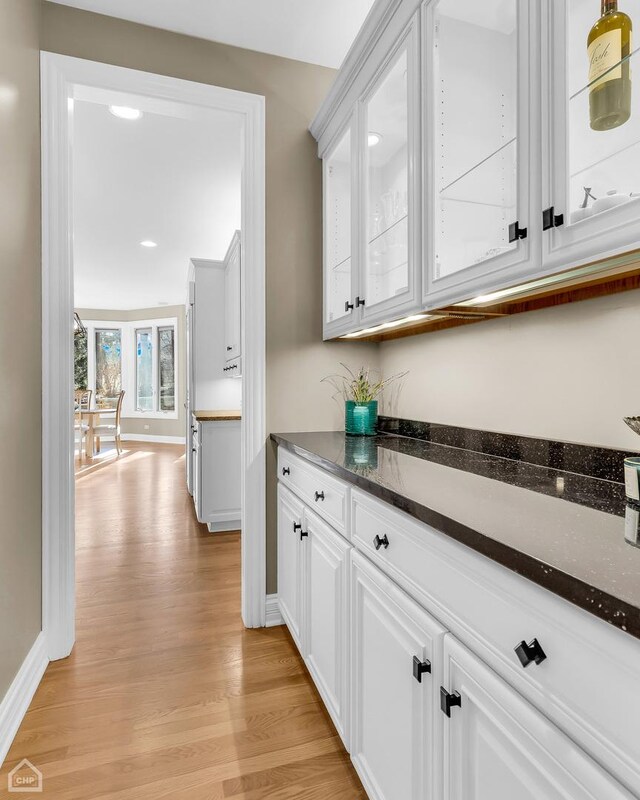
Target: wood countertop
<point>217,416</point>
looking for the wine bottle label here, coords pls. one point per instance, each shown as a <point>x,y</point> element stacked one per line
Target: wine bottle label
<point>605,53</point>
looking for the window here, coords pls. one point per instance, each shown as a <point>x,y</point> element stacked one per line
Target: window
<point>108,378</point>
<point>139,357</point>
<point>144,370</point>
<point>166,368</point>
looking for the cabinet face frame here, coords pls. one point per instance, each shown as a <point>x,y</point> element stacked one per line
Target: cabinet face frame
<point>504,269</point>
<point>350,321</point>
<point>408,42</point>
<point>615,231</point>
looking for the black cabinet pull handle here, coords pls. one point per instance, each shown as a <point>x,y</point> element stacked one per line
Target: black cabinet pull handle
<point>378,542</point>
<point>359,302</point>
<point>229,347</point>
<point>449,700</point>
<point>516,232</point>
<point>319,496</point>
<point>303,534</point>
<point>420,668</point>
<point>348,306</point>
<point>530,653</point>
<point>297,527</point>
<point>550,219</point>
<point>286,471</point>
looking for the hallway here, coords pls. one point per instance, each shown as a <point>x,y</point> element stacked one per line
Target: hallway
<point>166,695</point>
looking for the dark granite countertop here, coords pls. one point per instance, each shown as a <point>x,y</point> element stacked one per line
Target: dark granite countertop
<point>562,530</point>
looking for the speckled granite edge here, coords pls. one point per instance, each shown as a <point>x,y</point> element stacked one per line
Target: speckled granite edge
<point>604,463</point>
<point>607,607</point>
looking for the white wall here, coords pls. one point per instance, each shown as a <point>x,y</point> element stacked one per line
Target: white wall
<point>570,373</point>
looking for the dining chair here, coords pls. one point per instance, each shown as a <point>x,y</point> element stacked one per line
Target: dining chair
<point>80,429</point>
<point>83,397</point>
<point>107,429</point>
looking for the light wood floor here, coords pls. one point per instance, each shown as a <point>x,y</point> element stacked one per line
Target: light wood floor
<point>166,695</point>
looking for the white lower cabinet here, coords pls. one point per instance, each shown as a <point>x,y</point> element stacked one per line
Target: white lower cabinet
<point>396,661</point>
<point>498,747</point>
<point>290,511</point>
<point>326,595</point>
<point>425,713</point>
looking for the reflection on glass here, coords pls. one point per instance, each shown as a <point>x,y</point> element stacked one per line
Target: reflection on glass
<point>387,272</point>
<point>108,367</point>
<point>338,228</point>
<point>166,369</point>
<point>144,370</point>
<point>476,81</point>
<point>604,165</point>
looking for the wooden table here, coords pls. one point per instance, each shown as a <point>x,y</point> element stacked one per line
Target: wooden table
<point>92,417</point>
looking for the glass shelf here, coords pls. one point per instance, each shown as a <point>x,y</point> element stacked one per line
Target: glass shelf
<point>601,161</point>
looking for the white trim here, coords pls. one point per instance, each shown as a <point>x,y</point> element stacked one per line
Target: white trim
<point>62,79</point>
<point>20,694</point>
<point>273,615</point>
<point>150,437</point>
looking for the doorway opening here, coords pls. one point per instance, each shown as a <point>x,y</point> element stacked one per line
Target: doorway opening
<point>118,351</point>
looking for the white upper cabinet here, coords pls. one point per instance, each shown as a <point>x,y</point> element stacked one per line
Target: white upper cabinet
<point>339,271</point>
<point>232,307</point>
<point>388,141</point>
<point>476,77</point>
<point>593,153</point>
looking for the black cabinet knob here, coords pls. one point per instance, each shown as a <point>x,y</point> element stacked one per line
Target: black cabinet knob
<point>193,449</point>
<point>378,542</point>
<point>229,347</point>
<point>286,471</point>
<point>297,527</point>
<point>420,668</point>
<point>348,306</point>
<point>448,700</point>
<point>303,534</point>
<point>550,219</point>
<point>530,653</point>
<point>359,302</point>
<point>319,496</point>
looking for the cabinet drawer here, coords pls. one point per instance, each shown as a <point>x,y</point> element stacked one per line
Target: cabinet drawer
<point>326,496</point>
<point>588,682</point>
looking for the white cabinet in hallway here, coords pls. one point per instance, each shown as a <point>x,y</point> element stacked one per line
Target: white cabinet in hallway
<point>326,616</point>
<point>413,641</point>
<point>290,556</point>
<point>232,308</point>
<point>215,448</point>
<point>396,660</point>
<point>498,747</point>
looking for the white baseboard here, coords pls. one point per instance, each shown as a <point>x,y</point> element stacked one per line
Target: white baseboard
<point>148,437</point>
<point>17,699</point>
<point>273,616</point>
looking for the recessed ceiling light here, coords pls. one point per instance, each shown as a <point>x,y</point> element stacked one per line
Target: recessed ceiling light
<point>374,138</point>
<point>124,112</point>
<point>148,243</point>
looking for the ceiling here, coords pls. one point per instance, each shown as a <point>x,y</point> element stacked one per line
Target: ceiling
<point>172,177</point>
<point>317,31</point>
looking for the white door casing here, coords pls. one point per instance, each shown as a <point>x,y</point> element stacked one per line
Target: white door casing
<point>62,79</point>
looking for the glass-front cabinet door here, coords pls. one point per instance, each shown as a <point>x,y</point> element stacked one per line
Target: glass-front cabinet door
<point>476,75</point>
<point>594,119</point>
<point>339,179</point>
<point>388,137</point>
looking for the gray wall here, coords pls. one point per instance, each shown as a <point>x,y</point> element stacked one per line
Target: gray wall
<point>20,345</point>
<point>157,427</point>
<point>569,372</point>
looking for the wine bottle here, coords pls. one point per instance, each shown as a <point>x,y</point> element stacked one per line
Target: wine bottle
<point>609,48</point>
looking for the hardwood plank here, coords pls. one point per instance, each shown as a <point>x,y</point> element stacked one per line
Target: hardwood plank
<point>166,695</point>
